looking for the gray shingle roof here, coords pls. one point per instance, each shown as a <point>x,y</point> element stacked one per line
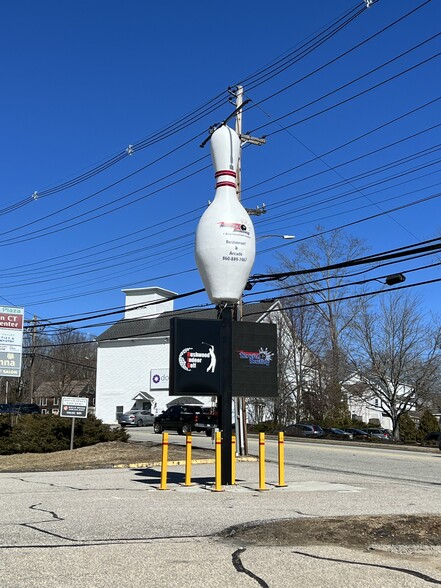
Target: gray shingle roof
<point>159,326</point>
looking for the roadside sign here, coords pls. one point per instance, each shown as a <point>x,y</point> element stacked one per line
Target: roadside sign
<point>11,340</point>
<point>74,407</point>
<point>197,358</point>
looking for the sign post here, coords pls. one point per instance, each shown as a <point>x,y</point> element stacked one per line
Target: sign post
<point>226,397</point>
<point>74,408</point>
<point>223,358</point>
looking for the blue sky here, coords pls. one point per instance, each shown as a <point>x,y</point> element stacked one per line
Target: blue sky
<point>84,80</point>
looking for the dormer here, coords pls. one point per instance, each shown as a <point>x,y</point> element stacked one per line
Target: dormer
<point>153,301</point>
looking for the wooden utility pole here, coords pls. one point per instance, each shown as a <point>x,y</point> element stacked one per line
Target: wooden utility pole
<point>240,404</point>
<point>32,370</point>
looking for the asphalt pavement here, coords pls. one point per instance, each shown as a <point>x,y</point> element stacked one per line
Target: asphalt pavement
<point>114,527</point>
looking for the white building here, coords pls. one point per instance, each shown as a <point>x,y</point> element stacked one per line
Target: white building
<point>364,405</point>
<point>133,354</point>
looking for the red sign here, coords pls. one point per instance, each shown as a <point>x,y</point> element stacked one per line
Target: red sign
<point>11,321</point>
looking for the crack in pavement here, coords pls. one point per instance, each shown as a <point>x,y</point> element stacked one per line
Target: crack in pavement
<point>83,542</point>
<point>62,486</point>
<point>419,575</point>
<point>50,484</point>
<point>237,563</point>
<point>51,512</point>
<point>104,542</point>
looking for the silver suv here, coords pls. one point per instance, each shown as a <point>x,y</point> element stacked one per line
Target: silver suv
<point>304,430</point>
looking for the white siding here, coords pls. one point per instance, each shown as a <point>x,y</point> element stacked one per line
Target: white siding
<point>123,370</point>
<point>156,299</point>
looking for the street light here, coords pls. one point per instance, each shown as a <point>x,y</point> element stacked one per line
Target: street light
<point>279,236</point>
<point>394,279</point>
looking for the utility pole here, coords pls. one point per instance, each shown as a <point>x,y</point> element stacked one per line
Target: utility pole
<point>240,404</point>
<point>32,370</point>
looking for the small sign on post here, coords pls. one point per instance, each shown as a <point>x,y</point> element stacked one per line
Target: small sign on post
<point>74,408</point>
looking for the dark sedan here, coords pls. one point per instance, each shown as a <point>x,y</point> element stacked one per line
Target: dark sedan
<point>358,433</point>
<point>336,433</point>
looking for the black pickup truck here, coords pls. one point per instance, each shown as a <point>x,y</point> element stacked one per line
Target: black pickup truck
<point>185,419</point>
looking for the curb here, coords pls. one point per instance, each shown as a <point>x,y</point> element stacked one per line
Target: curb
<point>172,463</point>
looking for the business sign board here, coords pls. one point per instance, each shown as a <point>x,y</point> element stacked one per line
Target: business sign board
<point>159,379</point>
<point>74,407</point>
<point>10,361</point>
<point>11,340</point>
<point>196,358</point>
<point>254,360</point>
<point>195,349</point>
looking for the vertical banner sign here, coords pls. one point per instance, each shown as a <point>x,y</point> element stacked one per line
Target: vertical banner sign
<point>11,341</point>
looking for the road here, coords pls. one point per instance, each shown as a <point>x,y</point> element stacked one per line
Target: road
<point>375,462</point>
<point>113,528</point>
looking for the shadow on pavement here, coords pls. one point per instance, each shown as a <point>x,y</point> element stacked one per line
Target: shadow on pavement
<point>153,476</point>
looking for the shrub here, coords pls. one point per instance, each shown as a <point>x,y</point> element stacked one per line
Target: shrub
<point>428,424</point>
<point>47,433</point>
<point>407,429</point>
<point>269,427</point>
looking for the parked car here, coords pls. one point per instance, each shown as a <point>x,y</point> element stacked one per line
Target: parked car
<point>358,433</point>
<point>136,418</point>
<point>26,408</point>
<point>434,437</point>
<point>304,430</point>
<point>20,408</point>
<point>336,433</point>
<point>382,434</point>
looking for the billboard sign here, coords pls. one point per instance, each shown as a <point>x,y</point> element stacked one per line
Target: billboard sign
<point>11,340</point>
<point>196,358</point>
<point>74,407</point>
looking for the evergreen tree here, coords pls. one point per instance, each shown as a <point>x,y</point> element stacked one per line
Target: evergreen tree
<point>428,424</point>
<point>407,428</point>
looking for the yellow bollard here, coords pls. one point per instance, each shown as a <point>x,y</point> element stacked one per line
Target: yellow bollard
<point>218,465</point>
<point>262,462</point>
<point>233,459</point>
<point>164,460</point>
<point>188,460</point>
<point>281,483</point>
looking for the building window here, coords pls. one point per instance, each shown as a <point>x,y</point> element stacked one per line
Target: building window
<point>43,402</point>
<point>55,412</point>
<point>56,401</point>
<point>43,411</point>
<point>376,402</point>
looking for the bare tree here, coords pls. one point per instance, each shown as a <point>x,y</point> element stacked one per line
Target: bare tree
<point>396,354</point>
<point>71,358</point>
<point>320,317</point>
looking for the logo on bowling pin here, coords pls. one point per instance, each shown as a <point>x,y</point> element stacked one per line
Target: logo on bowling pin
<point>225,243</point>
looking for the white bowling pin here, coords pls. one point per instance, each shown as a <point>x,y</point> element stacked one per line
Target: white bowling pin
<point>225,242</point>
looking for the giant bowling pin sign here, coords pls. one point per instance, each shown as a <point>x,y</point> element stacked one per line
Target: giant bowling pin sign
<point>225,242</point>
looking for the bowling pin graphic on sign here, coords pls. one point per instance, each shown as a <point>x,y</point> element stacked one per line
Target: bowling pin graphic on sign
<point>225,242</point>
